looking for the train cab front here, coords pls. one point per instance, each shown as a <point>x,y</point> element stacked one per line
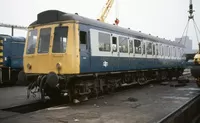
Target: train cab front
<point>51,53</point>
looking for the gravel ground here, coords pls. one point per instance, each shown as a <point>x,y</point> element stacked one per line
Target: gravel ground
<point>147,104</point>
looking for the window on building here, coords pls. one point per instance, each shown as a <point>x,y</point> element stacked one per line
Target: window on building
<point>149,48</point>
<point>130,46</point>
<point>44,40</point>
<point>114,44</point>
<point>123,44</point>
<point>137,44</point>
<point>104,42</point>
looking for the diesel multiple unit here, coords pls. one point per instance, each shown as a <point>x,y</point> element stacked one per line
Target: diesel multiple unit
<point>70,55</point>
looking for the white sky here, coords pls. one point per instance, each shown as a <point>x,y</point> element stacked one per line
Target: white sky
<point>163,18</point>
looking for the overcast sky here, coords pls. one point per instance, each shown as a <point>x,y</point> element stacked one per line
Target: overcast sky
<point>163,18</point>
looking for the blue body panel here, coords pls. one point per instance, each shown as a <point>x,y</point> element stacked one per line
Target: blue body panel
<point>13,49</point>
<point>92,64</point>
<point>128,64</point>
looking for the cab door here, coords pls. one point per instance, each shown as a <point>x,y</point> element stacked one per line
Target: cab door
<point>85,58</point>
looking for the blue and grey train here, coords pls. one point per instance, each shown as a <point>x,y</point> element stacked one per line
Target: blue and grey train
<point>71,55</point>
<point>11,58</point>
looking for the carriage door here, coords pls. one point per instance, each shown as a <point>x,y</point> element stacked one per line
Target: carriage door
<point>84,49</point>
<point>115,52</point>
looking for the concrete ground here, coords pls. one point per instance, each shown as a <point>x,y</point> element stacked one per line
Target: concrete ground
<point>14,96</point>
<point>146,104</point>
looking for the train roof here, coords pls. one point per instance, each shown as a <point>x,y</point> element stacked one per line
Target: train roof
<point>15,38</point>
<point>50,16</point>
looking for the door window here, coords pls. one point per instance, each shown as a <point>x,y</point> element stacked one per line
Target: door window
<point>137,44</point>
<point>83,40</point>
<point>114,44</point>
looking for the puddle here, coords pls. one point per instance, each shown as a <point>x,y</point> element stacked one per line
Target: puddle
<point>177,98</point>
<point>189,89</point>
<point>131,99</point>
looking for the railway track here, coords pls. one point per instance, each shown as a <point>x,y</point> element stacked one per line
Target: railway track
<point>31,107</point>
<point>188,113</point>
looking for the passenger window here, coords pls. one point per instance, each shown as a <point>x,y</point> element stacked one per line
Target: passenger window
<point>174,51</point>
<point>160,50</point>
<point>169,51</point>
<point>137,44</point>
<point>44,40</point>
<point>104,42</point>
<point>179,53</point>
<point>166,50</point>
<point>154,49</point>
<point>60,40</point>
<point>130,46</point>
<point>83,40</point>
<point>163,50</point>
<point>157,49</point>
<point>144,48</point>
<point>149,49</point>
<point>114,44</point>
<point>123,45</point>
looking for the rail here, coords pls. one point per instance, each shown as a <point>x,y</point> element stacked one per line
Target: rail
<point>185,113</point>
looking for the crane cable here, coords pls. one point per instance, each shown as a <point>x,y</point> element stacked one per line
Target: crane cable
<point>196,30</point>
<point>191,16</point>
<point>116,12</point>
<point>185,30</point>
